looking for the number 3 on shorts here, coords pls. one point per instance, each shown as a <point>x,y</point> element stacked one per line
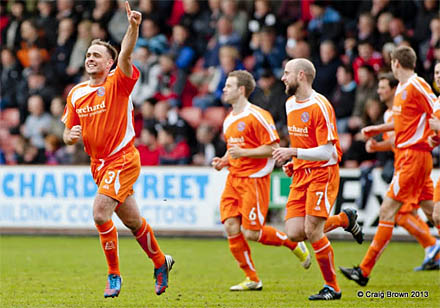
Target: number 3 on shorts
<point>110,177</point>
<point>320,194</point>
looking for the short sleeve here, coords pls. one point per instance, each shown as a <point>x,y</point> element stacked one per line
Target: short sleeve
<point>324,127</point>
<point>125,82</point>
<point>70,117</point>
<point>265,129</point>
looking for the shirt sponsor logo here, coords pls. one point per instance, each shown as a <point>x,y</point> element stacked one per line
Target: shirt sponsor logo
<point>235,140</point>
<point>298,131</point>
<point>91,110</point>
<point>305,117</point>
<point>101,91</point>
<point>241,126</point>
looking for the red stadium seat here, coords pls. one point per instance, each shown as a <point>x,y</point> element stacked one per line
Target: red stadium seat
<point>192,115</point>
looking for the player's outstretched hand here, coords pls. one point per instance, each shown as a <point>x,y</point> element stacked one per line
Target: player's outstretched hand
<point>370,146</point>
<point>134,17</point>
<point>288,169</point>
<point>370,131</point>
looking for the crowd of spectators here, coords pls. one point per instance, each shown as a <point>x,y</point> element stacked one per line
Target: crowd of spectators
<point>185,51</point>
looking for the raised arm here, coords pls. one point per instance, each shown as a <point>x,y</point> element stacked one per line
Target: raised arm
<point>129,41</point>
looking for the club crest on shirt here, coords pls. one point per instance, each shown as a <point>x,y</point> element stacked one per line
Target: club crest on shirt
<point>100,91</point>
<point>404,94</point>
<point>241,126</point>
<point>305,117</point>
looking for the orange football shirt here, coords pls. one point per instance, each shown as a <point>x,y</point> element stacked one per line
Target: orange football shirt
<point>312,123</point>
<point>105,113</point>
<point>251,128</point>
<point>412,107</point>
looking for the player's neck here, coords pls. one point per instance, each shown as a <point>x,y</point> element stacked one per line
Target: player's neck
<point>404,75</point>
<point>97,80</point>
<point>239,106</point>
<point>303,93</point>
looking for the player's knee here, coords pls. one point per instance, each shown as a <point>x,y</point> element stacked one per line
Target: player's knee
<point>251,235</point>
<point>232,227</point>
<point>312,233</point>
<point>100,218</point>
<point>296,235</point>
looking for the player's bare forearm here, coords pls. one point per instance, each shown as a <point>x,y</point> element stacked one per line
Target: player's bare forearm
<point>129,41</point>
<point>374,130</point>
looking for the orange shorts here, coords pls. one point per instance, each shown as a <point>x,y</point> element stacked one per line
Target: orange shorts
<point>247,198</point>
<point>412,177</point>
<point>427,193</point>
<point>115,176</point>
<point>313,192</point>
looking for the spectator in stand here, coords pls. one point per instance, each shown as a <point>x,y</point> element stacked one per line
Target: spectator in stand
<point>343,97</point>
<point>12,31</point>
<point>367,29</point>
<point>63,49</point>
<point>300,50</point>
<point>387,49</point>
<point>147,112</point>
<point>263,16</point>
<point>326,67</point>
<point>367,56</point>
<point>209,145</point>
<point>150,36</point>
<point>426,12</point>
<point>46,20</point>
<point>99,31</point>
<point>36,84</point>
<point>215,13</point>
<point>383,28</point>
<point>366,89</point>
<point>229,61</point>
<point>102,11</point>
<point>270,95</point>
<point>326,24</point>
<point>56,127</point>
<point>171,151</point>
<point>148,65</point>
<point>225,36</point>
<point>229,8</point>
<point>350,52</point>
<point>30,39</point>
<point>118,23</point>
<point>295,32</point>
<point>76,61</point>
<point>66,9</point>
<point>11,74</point>
<point>270,52</point>
<point>52,144</point>
<point>428,46</point>
<point>197,21</point>
<point>26,153</point>
<point>37,123</point>
<point>148,147</point>
<point>398,31</point>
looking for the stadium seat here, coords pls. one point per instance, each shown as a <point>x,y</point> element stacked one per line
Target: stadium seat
<point>215,116</point>
<point>10,117</point>
<point>192,115</point>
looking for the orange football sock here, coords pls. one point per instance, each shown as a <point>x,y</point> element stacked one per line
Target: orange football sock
<point>336,221</point>
<point>325,257</point>
<point>273,237</point>
<point>147,240</point>
<point>109,241</point>
<point>416,227</point>
<point>242,253</point>
<point>380,241</point>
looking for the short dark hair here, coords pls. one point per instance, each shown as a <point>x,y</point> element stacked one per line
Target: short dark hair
<point>245,79</point>
<point>348,69</point>
<point>392,81</point>
<point>110,49</point>
<point>406,57</point>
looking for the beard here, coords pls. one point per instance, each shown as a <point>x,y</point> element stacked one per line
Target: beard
<point>291,89</point>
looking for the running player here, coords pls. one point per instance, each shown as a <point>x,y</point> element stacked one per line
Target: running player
<point>407,216</point>
<point>101,111</point>
<point>250,135</point>
<point>412,106</point>
<point>315,150</point>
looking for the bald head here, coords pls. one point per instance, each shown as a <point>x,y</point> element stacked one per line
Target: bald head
<point>304,65</point>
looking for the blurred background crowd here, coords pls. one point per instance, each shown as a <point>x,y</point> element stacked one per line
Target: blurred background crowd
<point>185,50</point>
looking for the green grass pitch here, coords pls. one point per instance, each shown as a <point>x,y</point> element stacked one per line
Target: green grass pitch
<point>71,272</point>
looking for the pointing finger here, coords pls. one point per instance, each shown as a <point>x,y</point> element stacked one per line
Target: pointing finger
<point>127,7</point>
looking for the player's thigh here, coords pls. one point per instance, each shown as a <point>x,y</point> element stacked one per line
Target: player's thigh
<point>322,191</point>
<point>230,200</point>
<point>255,194</point>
